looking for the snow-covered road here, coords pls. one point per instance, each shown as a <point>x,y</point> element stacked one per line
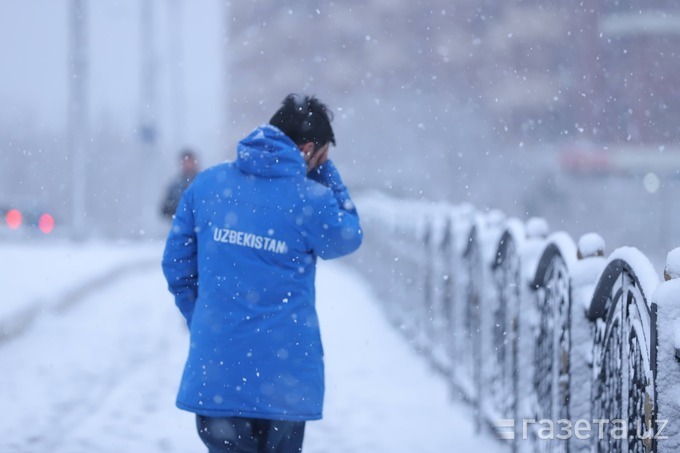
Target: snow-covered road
<point>101,376</point>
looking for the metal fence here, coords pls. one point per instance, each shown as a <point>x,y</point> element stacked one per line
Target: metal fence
<point>554,345</point>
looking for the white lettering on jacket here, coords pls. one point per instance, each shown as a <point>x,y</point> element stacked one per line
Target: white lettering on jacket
<point>250,240</point>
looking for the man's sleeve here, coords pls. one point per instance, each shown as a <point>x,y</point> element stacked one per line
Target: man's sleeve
<point>333,229</point>
<point>180,257</point>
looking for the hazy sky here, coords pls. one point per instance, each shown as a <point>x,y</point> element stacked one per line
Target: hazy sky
<point>33,67</point>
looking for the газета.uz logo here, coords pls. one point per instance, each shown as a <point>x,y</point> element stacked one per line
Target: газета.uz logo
<point>563,429</point>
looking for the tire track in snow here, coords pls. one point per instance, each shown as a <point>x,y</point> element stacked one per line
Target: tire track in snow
<point>63,371</point>
<point>20,322</point>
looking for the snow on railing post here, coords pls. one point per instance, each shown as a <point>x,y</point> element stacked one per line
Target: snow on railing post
<point>624,354</point>
<point>667,300</point>
<point>440,293</point>
<point>457,263</point>
<point>423,338</point>
<point>469,348</point>
<point>489,233</point>
<point>448,294</point>
<point>532,248</point>
<point>476,312</point>
<point>587,269</point>
<point>552,296</point>
<point>507,278</point>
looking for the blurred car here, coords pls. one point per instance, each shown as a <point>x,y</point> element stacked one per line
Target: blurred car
<point>21,220</point>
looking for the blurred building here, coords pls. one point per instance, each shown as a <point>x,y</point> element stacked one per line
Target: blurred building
<point>542,71</point>
<point>638,79</point>
<point>600,71</point>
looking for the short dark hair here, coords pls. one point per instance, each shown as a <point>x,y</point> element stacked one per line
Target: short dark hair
<point>187,154</point>
<point>305,119</point>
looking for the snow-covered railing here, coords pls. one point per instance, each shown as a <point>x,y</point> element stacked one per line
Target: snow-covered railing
<point>554,344</point>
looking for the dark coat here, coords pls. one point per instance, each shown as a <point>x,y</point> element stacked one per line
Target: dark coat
<point>174,193</point>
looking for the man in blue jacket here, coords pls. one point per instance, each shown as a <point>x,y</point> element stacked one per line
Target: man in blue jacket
<point>240,260</point>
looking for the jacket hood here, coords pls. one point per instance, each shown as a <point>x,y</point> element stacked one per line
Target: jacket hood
<point>269,152</point>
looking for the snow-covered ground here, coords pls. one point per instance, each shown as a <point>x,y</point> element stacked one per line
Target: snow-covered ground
<point>97,369</point>
<point>48,274</point>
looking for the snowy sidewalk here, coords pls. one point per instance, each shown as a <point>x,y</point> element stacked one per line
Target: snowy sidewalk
<point>102,376</point>
<point>380,396</point>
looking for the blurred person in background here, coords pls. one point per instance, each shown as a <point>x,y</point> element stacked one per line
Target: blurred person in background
<point>189,170</point>
<point>240,260</point>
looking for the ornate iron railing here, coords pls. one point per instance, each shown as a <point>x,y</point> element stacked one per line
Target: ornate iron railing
<point>624,365</point>
<point>551,288</point>
<point>493,306</point>
<point>507,279</point>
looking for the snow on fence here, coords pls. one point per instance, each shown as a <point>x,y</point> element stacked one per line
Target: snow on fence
<point>556,346</point>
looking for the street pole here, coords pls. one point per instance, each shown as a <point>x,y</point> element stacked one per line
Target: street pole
<point>78,129</point>
<point>176,72</point>
<point>148,131</point>
<point>225,135</point>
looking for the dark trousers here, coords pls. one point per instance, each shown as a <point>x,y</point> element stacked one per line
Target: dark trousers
<point>250,435</point>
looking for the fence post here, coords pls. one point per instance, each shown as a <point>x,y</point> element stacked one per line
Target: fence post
<point>441,291</point>
<point>505,311</point>
<point>667,300</point>
<point>587,270</point>
<point>624,353</point>
<point>458,266</point>
<point>552,296</point>
<point>472,320</point>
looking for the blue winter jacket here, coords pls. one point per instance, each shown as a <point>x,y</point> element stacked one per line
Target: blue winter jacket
<point>240,260</point>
